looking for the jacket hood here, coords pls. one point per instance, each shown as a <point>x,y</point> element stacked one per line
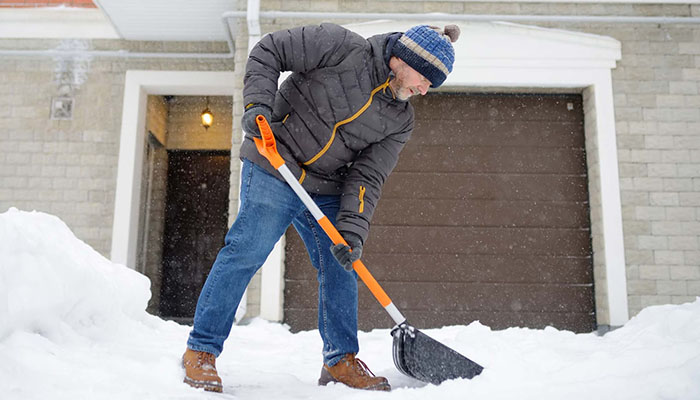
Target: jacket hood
<point>381,53</point>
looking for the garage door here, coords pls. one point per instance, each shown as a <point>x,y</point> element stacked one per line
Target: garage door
<point>486,217</point>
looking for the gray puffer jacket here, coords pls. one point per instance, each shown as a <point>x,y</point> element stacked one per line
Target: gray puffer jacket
<point>336,121</point>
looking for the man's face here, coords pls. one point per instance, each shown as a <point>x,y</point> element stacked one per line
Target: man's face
<point>408,82</point>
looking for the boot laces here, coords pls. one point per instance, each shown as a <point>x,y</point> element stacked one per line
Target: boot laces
<point>360,366</point>
<point>206,360</point>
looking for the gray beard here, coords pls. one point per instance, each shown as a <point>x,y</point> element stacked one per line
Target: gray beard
<point>402,96</point>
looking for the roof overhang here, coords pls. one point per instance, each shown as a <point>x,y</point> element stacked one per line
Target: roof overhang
<point>167,20</point>
<point>55,22</point>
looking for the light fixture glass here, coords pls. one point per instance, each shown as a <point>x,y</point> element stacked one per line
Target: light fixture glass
<point>207,117</point>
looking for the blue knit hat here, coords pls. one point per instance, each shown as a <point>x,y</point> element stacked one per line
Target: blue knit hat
<point>428,50</point>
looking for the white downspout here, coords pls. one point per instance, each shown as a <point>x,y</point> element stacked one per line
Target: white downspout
<point>253,21</point>
<point>271,279</point>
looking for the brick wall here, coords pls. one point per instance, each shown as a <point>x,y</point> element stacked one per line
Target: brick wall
<point>657,108</point>
<point>64,167</point>
<point>68,167</point>
<point>656,86</point>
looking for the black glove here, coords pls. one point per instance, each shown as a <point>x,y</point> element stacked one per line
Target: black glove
<point>250,127</point>
<point>342,252</point>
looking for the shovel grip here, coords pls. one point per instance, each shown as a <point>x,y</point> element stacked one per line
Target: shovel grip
<point>358,265</point>
<point>267,146</point>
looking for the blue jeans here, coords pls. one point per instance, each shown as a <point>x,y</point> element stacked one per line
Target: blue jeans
<point>268,207</point>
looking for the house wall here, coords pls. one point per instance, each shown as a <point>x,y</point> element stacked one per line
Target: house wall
<point>68,167</point>
<point>185,131</point>
<point>658,136</point>
<point>154,197</point>
<point>157,118</point>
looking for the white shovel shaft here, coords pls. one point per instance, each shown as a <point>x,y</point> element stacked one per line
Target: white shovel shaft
<point>299,190</point>
<point>390,308</point>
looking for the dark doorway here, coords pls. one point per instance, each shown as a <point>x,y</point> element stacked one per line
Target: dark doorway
<point>196,221</point>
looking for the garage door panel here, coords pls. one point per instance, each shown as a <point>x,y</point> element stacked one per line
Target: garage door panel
<point>305,319</point>
<point>302,319</point>
<point>470,268</point>
<point>499,134</point>
<point>483,213</point>
<point>426,185</point>
<point>301,294</point>
<point>422,296</point>
<point>459,297</point>
<point>468,240</point>
<point>577,322</point>
<point>297,265</point>
<point>468,263</point>
<point>457,267</point>
<point>441,106</point>
<point>528,160</point>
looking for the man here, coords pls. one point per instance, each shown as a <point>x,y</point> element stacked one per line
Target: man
<point>340,120</point>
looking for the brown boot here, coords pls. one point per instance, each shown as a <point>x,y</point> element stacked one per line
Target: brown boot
<point>353,372</point>
<point>200,370</point>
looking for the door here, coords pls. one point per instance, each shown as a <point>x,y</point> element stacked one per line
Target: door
<point>196,221</point>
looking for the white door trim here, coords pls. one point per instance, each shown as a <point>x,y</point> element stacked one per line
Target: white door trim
<point>137,86</point>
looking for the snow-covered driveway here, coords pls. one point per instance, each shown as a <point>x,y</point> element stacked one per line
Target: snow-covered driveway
<point>73,326</point>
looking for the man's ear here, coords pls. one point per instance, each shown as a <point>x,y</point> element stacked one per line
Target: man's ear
<point>396,63</point>
<point>397,60</point>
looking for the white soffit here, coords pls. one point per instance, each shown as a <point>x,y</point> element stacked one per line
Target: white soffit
<point>504,44</point>
<point>54,23</point>
<point>167,20</point>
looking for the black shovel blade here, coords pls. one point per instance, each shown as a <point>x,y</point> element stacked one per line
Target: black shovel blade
<point>424,358</point>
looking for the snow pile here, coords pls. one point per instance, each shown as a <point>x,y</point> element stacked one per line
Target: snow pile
<point>73,327</point>
<point>54,284</point>
<point>656,355</point>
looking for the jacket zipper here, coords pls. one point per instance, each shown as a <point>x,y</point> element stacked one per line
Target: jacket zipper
<point>348,120</point>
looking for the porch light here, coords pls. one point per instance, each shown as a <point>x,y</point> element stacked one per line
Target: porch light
<point>207,117</point>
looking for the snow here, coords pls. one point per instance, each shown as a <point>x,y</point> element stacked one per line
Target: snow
<point>73,326</point>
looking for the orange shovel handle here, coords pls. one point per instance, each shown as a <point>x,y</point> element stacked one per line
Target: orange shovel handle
<point>358,265</point>
<point>267,146</point>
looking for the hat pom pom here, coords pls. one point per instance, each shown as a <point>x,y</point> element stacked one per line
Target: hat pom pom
<point>452,31</point>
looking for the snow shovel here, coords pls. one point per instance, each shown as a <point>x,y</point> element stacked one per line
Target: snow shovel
<point>415,353</point>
